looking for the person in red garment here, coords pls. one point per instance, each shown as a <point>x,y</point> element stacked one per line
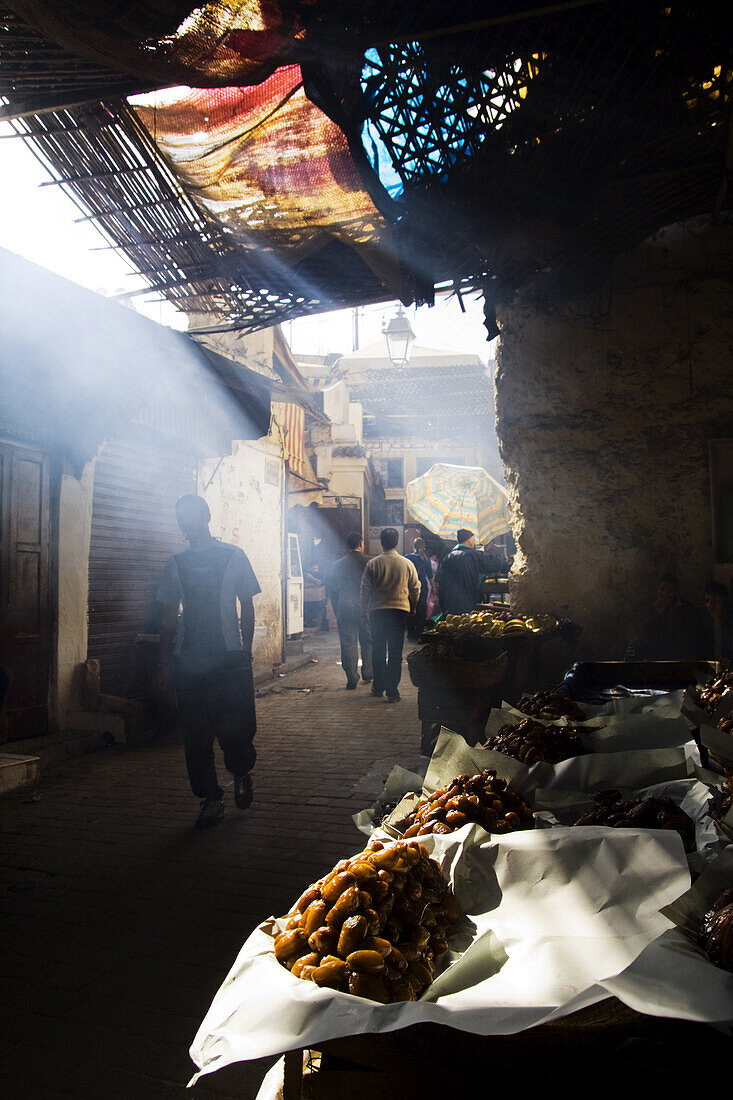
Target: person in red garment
<point>212,657</point>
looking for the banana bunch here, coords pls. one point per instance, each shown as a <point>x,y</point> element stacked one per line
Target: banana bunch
<point>485,624</point>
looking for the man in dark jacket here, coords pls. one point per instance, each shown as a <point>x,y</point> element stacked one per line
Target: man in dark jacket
<point>459,575</point>
<point>353,629</point>
<point>421,561</point>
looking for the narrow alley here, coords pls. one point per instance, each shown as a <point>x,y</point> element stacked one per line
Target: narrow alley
<point>120,920</point>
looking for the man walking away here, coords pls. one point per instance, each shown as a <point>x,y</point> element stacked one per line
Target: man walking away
<point>390,590</point>
<point>346,602</point>
<point>213,656</point>
<point>459,575</point>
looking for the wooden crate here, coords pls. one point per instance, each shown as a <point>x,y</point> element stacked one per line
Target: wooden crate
<point>607,1046</point>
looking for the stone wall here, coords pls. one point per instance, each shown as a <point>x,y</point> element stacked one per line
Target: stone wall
<point>605,408</point>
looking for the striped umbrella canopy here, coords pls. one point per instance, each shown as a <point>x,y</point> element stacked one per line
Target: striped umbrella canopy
<point>448,497</point>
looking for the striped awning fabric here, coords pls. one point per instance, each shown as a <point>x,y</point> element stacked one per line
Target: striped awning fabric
<point>291,419</point>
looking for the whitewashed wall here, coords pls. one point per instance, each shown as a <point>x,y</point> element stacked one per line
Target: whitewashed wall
<point>246,502</point>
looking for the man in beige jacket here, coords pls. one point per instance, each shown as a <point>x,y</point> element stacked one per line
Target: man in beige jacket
<point>390,590</point>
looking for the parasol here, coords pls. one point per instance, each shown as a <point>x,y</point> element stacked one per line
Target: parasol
<point>448,497</point>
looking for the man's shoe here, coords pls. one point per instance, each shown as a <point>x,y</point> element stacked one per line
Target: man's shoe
<point>377,694</point>
<point>367,679</point>
<point>212,809</point>
<point>243,791</point>
<point>395,698</point>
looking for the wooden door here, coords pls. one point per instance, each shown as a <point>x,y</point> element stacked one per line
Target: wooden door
<point>24,646</point>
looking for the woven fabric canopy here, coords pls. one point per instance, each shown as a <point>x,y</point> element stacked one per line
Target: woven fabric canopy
<point>266,162</point>
<point>302,155</point>
<point>449,497</point>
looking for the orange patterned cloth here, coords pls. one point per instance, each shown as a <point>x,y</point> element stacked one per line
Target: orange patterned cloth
<point>266,162</point>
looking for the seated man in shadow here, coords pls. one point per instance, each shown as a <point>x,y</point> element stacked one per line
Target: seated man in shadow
<point>673,629</point>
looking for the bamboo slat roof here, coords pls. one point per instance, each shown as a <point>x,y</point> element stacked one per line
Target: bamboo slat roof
<point>490,146</point>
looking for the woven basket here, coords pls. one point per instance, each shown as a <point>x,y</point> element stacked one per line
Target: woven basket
<point>438,673</point>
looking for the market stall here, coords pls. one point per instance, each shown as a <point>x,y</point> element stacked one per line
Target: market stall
<point>549,898</point>
<point>468,663</point>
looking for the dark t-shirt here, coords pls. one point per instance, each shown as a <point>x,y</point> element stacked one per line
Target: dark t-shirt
<point>208,583</point>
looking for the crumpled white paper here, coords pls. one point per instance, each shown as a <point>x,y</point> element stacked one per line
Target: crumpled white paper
<point>673,976</point>
<point>398,782</point>
<point>452,756</point>
<point>549,915</point>
<point>559,807</point>
<point>659,728</point>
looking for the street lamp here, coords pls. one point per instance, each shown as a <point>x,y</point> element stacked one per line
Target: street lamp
<point>400,338</point>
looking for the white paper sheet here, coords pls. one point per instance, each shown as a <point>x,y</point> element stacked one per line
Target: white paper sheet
<point>453,756</point>
<point>559,807</point>
<point>665,705</point>
<point>673,976</point>
<point>399,782</point>
<point>549,916</point>
<point>652,728</point>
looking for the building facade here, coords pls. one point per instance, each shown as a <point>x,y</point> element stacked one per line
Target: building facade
<point>438,408</point>
<point>108,418</point>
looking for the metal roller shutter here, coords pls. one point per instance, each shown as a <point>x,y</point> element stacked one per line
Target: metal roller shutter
<point>137,482</point>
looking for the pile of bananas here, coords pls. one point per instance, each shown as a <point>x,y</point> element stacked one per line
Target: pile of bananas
<point>488,624</point>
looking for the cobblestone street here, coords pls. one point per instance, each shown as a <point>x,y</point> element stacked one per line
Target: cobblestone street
<point>120,920</point>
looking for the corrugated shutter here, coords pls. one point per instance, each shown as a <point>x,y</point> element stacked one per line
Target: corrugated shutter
<point>137,482</point>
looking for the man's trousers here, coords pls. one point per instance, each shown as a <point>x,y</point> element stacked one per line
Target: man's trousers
<point>388,639</point>
<point>354,635</point>
<point>216,699</point>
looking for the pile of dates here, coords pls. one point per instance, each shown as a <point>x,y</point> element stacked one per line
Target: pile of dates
<point>531,742</point>
<point>550,706</point>
<point>709,696</point>
<point>638,813</point>
<point>373,926</point>
<point>481,799</point>
<point>716,932</point>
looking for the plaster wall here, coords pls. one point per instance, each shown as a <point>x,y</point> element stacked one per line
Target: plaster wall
<point>246,502</point>
<point>413,448</point>
<point>336,403</point>
<point>75,528</point>
<point>356,419</point>
<point>605,408</point>
<point>253,349</point>
<point>348,478</point>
